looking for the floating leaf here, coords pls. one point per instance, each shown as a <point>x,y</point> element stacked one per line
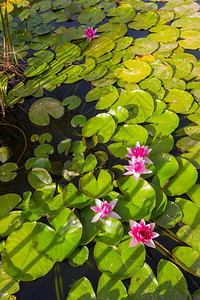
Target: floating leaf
<point>136,71</point>
<point>83,166</point>
<point>122,14</point>
<point>106,95</point>
<point>179,101</point>
<point>64,146</point>
<point>89,230</point>
<point>138,201</point>
<point>170,217</point>
<point>78,257</point>
<point>39,177</point>
<point>78,120</point>
<point>190,236</point>
<point>57,243</point>
<point>144,20</point>
<point>190,211</point>
<point>164,33</point>
<point>119,113</point>
<point>4,154</point>
<point>99,46</point>
<point>6,172</point>
<point>183,180</point>
<point>81,288</point>
<point>127,260</point>
<point>96,188</point>
<point>43,150</point>
<point>10,222</point>
<point>102,124</point>
<point>67,52</point>
<point>112,231</point>
<point>189,144</point>
<point>109,288</point>
<point>72,197</point>
<point>25,263</point>
<point>41,109</point>
<point>8,202</point>
<point>112,31</point>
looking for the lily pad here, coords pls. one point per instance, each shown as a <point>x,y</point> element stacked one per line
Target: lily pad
<point>109,288</point>
<point>106,95</point>
<point>8,202</point>
<point>189,144</point>
<point>190,211</point>
<point>39,177</point>
<point>144,46</point>
<point>170,217</point>
<point>122,14</point>
<point>136,71</point>
<point>144,20</point>
<point>102,124</point>
<point>127,260</point>
<point>78,257</point>
<point>81,288</point>
<point>112,31</point>
<point>183,180</point>
<point>91,16</point>
<point>7,172</point>
<point>42,108</point>
<point>99,46</point>
<point>67,52</point>
<point>164,33</point>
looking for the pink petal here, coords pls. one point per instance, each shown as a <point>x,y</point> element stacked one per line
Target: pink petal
<point>152,226</point>
<point>154,235</point>
<point>150,243</point>
<point>128,173</point>
<point>132,223</point>
<point>148,161</point>
<point>96,217</point>
<point>114,215</point>
<point>113,202</point>
<point>137,145</point>
<point>136,176</point>
<point>98,202</point>
<point>97,209</point>
<point>148,151</point>
<point>142,222</point>
<point>133,243</point>
<point>146,171</point>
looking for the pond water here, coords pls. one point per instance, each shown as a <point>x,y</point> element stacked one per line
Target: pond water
<point>170,99</point>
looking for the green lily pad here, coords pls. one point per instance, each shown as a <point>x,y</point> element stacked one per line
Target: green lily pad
<point>127,136</point>
<point>183,180</point>
<point>37,69</point>
<point>143,276</point>
<point>190,236</point>
<point>189,22</point>
<point>187,7</point>
<point>81,165</point>
<point>112,31</point>
<point>119,113</point>
<point>41,109</point>
<point>57,243</point>
<point>144,20</point>
<point>39,177</point>
<point>111,231</point>
<point>121,14</point>
<point>25,263</point>
<point>78,257</point>
<point>99,46</point>
<point>190,211</point>
<point>181,68</point>
<point>171,281</point>
<point>127,260</point>
<point>190,39</point>
<point>6,172</point>
<point>164,144</point>
<point>164,166</point>
<point>179,101</point>
<point>161,200</point>
<point>163,124</point>
<point>139,103</point>
<point>151,85</point>
<point>78,120</point>
<point>143,46</point>
<point>42,6</point>
<point>4,154</point>
<point>10,222</point>
<point>106,95</point>
<point>188,259</point>
<point>67,52</point>
<point>8,202</point>
<point>193,132</point>
<point>102,124</point>
<point>136,70</point>
<point>83,289</point>
<point>89,230</point>
<point>64,146</point>
<point>175,83</point>
<point>193,194</point>
<point>189,144</point>
<point>170,217</point>
<point>91,16</point>
<point>96,188</point>
<point>161,70</point>
<point>110,289</point>
<point>43,151</point>
<point>164,33</point>
<point>123,43</point>
<point>138,201</point>
<point>72,197</point>
<point>96,73</point>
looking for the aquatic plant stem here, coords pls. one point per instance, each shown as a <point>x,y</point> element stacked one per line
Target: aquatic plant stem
<point>2,106</point>
<point>24,136</point>
<point>58,283</point>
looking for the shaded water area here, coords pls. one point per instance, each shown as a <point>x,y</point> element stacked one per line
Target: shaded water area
<point>18,124</point>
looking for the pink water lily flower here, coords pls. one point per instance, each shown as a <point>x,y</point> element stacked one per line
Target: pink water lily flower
<point>142,233</point>
<point>136,167</point>
<point>90,33</point>
<point>104,209</point>
<point>139,152</point>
